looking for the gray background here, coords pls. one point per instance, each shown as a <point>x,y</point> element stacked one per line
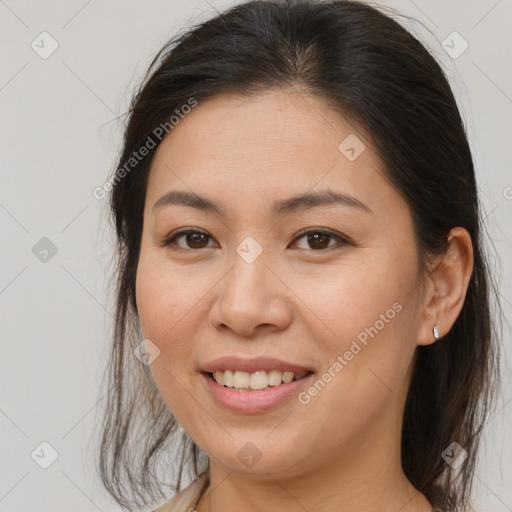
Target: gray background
<point>58,141</point>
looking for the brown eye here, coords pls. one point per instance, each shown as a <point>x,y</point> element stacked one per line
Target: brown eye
<point>196,240</point>
<point>319,240</point>
<point>193,240</point>
<point>316,240</point>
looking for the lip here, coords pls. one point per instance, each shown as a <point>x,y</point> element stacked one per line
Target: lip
<point>256,401</point>
<point>253,365</point>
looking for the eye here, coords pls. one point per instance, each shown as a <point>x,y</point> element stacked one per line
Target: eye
<point>193,240</point>
<point>318,239</point>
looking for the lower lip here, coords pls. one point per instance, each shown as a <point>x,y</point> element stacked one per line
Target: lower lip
<point>254,401</point>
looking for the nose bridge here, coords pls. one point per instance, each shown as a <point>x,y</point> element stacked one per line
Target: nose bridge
<point>248,283</point>
<point>250,295</point>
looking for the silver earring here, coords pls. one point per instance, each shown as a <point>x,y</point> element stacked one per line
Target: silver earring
<point>436,332</point>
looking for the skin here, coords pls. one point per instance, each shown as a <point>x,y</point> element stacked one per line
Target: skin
<point>341,451</point>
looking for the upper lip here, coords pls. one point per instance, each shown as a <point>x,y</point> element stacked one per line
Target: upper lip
<point>252,365</point>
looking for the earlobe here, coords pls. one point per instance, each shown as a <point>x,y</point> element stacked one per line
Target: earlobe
<point>449,280</point>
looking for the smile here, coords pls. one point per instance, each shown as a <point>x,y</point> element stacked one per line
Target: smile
<point>247,400</point>
<point>255,381</point>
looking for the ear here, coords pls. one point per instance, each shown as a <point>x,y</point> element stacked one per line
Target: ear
<point>447,284</point>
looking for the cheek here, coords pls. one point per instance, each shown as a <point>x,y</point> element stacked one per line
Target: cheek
<point>166,314</point>
<point>166,304</point>
<point>366,315</point>
<point>348,299</point>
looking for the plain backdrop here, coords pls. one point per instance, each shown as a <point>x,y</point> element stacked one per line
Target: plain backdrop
<point>59,139</point>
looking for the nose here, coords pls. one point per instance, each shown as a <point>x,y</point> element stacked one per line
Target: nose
<point>252,299</point>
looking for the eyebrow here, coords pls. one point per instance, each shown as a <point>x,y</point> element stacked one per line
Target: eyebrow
<point>279,208</point>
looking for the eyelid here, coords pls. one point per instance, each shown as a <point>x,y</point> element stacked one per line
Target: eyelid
<point>342,239</point>
<point>170,240</point>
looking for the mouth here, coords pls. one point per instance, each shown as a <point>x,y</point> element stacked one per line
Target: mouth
<point>239,380</point>
<point>254,385</point>
<point>257,392</point>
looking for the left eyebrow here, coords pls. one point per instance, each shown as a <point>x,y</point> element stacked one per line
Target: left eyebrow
<point>313,199</point>
<point>279,208</point>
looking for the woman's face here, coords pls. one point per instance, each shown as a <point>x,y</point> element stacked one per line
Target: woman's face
<point>273,284</point>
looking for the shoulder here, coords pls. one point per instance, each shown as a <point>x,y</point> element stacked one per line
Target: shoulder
<point>186,498</point>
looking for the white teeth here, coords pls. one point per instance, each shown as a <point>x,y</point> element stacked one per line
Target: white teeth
<point>287,376</point>
<point>274,378</point>
<point>259,380</point>
<point>241,380</point>
<point>228,378</point>
<point>256,380</point>
<point>219,377</point>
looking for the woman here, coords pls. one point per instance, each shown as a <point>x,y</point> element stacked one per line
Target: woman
<point>301,273</point>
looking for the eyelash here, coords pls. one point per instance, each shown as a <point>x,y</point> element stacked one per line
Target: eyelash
<point>171,240</point>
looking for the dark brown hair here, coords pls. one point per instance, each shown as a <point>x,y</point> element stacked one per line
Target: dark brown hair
<point>366,66</point>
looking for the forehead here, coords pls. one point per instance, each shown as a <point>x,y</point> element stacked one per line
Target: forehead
<point>289,122</point>
<point>280,143</point>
